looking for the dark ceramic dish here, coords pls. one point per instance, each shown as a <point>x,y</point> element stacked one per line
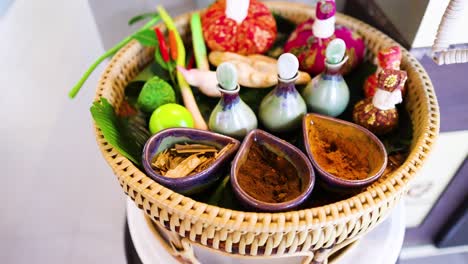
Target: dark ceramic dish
<point>365,141</point>
<point>281,148</point>
<point>192,183</point>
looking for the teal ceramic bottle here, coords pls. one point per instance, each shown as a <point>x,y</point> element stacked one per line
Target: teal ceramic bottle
<point>328,93</point>
<point>231,116</point>
<point>282,109</point>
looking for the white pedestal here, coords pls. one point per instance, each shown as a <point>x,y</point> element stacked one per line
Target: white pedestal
<point>381,246</point>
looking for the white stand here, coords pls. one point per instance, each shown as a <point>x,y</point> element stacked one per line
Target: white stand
<point>381,246</point>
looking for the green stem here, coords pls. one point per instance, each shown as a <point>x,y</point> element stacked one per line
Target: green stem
<point>198,41</point>
<point>185,90</point>
<point>106,55</point>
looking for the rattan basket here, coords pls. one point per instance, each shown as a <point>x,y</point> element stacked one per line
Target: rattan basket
<point>314,232</point>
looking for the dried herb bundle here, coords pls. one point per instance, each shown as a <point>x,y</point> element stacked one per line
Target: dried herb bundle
<point>186,159</point>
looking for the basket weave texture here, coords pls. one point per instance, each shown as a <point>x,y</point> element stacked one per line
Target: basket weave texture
<point>266,234</point>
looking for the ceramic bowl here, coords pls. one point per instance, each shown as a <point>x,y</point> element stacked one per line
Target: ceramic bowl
<point>280,148</point>
<point>365,141</point>
<point>196,182</point>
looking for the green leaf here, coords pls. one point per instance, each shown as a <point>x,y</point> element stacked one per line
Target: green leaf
<point>126,134</point>
<point>132,91</point>
<point>144,75</point>
<point>140,17</point>
<point>159,59</point>
<point>158,70</point>
<point>400,139</point>
<point>147,38</point>
<point>228,199</point>
<point>223,195</point>
<point>216,197</point>
<point>107,54</point>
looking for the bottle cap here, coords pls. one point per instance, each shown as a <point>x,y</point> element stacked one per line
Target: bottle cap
<point>237,10</point>
<point>226,74</point>
<point>325,9</point>
<point>288,65</point>
<point>324,24</point>
<point>336,50</point>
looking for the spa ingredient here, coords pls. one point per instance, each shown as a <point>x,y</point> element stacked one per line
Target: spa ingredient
<point>256,70</point>
<point>379,122</point>
<point>200,77</point>
<point>146,38</point>
<point>173,45</point>
<point>241,26</point>
<point>231,116</point>
<point>155,92</point>
<point>205,80</point>
<point>268,177</point>
<point>337,155</point>
<point>163,50</point>
<point>140,17</point>
<point>186,159</point>
<point>198,43</point>
<point>170,115</point>
<point>379,113</point>
<point>126,131</point>
<point>328,93</point>
<point>185,90</point>
<point>387,58</point>
<point>311,37</point>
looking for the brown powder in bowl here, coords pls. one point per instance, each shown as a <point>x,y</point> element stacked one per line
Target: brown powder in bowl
<point>338,156</point>
<point>268,177</point>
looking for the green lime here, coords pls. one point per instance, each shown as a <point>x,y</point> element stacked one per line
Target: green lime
<point>170,115</point>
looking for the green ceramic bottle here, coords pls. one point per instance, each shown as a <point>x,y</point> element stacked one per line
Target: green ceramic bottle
<point>231,116</point>
<point>282,109</point>
<point>328,93</point>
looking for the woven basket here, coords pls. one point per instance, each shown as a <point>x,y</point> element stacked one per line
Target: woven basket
<point>315,232</point>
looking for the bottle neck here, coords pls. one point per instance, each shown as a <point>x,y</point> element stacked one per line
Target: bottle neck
<point>229,97</point>
<point>286,85</point>
<point>334,69</point>
<point>324,28</point>
<point>385,100</point>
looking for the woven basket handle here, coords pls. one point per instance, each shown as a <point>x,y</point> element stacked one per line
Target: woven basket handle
<point>440,53</point>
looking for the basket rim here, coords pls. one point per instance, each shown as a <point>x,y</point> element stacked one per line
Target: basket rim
<point>352,207</point>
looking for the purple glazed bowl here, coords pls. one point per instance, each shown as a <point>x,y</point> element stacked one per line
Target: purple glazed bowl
<point>280,148</point>
<point>192,183</point>
<point>365,141</point>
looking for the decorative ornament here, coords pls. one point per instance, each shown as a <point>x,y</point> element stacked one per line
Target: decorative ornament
<point>378,113</point>
<point>388,58</point>
<point>328,93</point>
<point>231,116</point>
<point>241,26</point>
<point>310,39</point>
<point>283,108</point>
<point>254,71</point>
